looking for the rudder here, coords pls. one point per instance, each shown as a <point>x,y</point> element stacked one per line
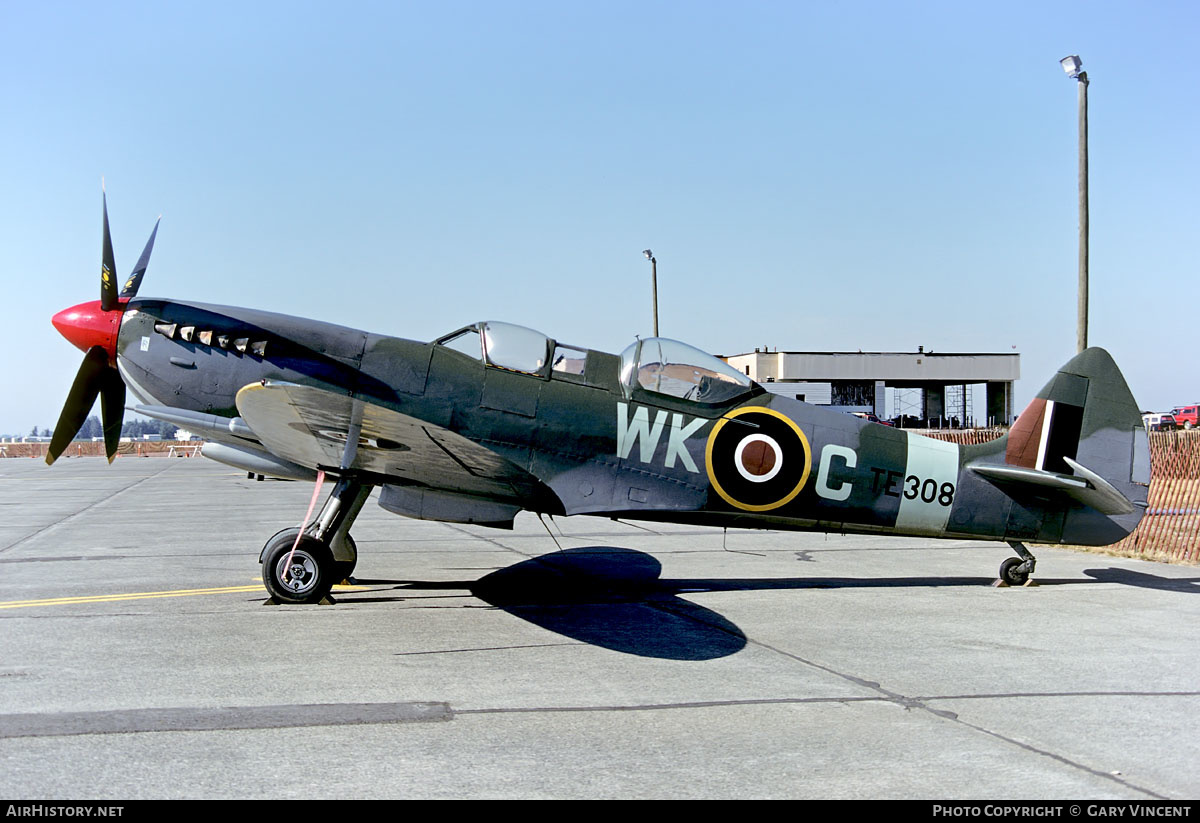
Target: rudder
<point>1081,438</point>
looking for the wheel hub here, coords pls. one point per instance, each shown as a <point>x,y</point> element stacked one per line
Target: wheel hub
<point>300,575</point>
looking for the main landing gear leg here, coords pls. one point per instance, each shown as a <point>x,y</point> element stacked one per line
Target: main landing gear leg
<point>1014,571</point>
<point>334,522</point>
<point>326,553</point>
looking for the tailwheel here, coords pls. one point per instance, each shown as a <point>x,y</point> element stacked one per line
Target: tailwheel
<point>1012,571</point>
<point>309,575</point>
<point>1015,571</point>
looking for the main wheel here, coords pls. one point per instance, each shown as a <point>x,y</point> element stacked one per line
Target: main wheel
<point>307,578</point>
<point>1012,573</point>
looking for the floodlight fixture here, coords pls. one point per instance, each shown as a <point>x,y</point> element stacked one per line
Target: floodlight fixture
<point>653,286</point>
<point>1071,65</point>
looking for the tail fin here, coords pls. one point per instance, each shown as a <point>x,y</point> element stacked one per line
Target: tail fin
<point>1081,438</point>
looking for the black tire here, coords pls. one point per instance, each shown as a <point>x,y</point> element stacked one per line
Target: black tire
<point>283,534</point>
<point>342,569</point>
<point>1187,425</point>
<point>1012,573</point>
<point>310,575</point>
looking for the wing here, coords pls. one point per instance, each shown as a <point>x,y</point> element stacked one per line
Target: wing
<point>314,427</point>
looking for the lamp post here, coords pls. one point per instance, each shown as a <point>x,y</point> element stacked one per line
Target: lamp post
<point>1071,65</point>
<point>653,285</point>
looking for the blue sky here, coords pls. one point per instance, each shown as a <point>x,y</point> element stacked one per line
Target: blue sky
<point>811,176</point>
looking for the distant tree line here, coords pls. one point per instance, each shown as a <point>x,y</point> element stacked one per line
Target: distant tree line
<point>131,428</point>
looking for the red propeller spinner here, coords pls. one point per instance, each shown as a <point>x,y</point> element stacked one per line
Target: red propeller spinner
<point>88,325</point>
<point>93,327</point>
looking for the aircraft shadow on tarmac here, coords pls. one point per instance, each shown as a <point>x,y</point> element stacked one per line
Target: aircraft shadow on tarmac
<point>616,598</point>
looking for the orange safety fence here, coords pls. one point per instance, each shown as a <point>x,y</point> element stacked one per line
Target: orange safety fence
<point>1171,527</point>
<point>963,437</point>
<point>82,448</point>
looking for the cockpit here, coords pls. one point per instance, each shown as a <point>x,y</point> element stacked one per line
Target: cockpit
<point>655,365</point>
<point>678,370</point>
<point>515,348</point>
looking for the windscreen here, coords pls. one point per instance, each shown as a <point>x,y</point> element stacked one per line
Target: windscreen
<point>515,348</point>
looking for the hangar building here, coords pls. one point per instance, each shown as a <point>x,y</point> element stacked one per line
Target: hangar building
<point>858,381</point>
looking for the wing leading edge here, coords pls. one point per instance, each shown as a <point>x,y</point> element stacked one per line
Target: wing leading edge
<point>324,429</point>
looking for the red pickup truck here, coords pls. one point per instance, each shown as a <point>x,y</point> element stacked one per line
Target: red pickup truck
<point>1185,416</point>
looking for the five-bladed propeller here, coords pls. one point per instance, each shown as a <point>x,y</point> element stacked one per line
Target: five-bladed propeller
<point>93,327</point>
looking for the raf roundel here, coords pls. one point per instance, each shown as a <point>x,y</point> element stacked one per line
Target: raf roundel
<point>757,459</point>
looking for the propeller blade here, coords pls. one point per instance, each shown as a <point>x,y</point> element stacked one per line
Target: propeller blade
<point>112,409</point>
<point>135,277</point>
<point>88,382</point>
<point>108,268</point>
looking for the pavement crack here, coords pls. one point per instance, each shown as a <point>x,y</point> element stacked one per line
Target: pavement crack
<point>914,703</point>
<point>1029,747</point>
<point>492,540</point>
<point>1084,693</point>
<point>911,703</point>
<point>106,499</point>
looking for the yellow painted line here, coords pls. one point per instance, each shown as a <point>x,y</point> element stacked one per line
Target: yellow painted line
<point>114,598</point>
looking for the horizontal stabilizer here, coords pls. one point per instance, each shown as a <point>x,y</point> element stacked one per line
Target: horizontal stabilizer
<point>1100,495</point>
<point>1085,486</point>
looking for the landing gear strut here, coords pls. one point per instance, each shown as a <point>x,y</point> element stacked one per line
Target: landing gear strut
<point>326,553</point>
<point>1015,571</point>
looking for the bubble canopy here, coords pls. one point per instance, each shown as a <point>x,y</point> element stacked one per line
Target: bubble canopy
<point>678,370</point>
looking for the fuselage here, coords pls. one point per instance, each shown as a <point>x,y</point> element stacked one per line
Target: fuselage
<point>603,443</point>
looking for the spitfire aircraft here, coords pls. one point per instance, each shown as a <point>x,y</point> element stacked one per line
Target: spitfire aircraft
<point>491,419</point>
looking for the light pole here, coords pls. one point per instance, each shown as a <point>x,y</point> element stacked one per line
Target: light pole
<point>1071,65</point>
<point>653,285</point>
